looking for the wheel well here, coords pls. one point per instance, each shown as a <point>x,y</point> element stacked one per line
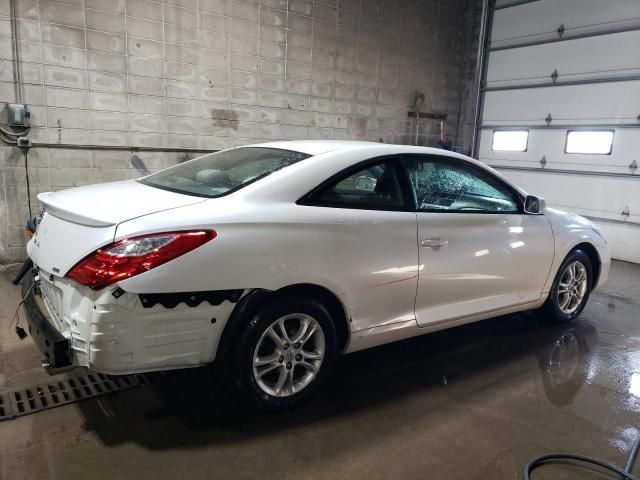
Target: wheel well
<point>330,301</point>
<point>591,252</point>
<point>252,302</point>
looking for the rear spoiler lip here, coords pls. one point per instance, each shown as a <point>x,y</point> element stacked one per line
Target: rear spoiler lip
<point>63,214</point>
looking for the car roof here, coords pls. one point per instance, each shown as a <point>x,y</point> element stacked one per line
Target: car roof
<point>318,147</point>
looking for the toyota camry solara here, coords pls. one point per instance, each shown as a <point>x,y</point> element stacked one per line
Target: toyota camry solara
<point>270,260</point>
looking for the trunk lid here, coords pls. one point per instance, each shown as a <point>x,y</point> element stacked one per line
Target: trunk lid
<point>108,204</point>
<point>80,220</point>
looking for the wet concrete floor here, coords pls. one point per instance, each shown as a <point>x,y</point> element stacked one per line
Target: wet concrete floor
<point>474,402</point>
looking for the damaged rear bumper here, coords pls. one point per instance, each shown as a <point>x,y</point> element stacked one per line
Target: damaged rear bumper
<point>53,345</point>
<point>112,331</point>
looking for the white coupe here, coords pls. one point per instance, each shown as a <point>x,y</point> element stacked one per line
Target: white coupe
<point>269,260</point>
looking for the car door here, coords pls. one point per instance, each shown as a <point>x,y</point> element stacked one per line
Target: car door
<point>478,250</point>
<point>363,235</point>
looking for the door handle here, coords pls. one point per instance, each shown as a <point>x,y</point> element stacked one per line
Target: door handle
<point>434,242</point>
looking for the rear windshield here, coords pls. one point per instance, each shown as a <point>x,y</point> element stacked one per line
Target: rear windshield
<point>220,173</point>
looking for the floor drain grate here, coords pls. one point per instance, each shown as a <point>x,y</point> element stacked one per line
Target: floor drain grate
<point>26,401</point>
<point>5,411</point>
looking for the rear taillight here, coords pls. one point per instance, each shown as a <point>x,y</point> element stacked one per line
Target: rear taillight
<point>126,258</point>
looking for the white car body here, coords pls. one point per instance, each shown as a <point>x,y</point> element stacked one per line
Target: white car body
<point>389,286</point>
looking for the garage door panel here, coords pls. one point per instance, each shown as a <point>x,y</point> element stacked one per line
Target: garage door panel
<point>551,145</point>
<point>550,166</point>
<point>577,104</point>
<point>624,240</point>
<point>603,197</point>
<point>617,56</point>
<point>597,87</point>
<point>540,20</point>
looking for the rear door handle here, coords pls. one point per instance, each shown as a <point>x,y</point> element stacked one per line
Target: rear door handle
<point>434,242</point>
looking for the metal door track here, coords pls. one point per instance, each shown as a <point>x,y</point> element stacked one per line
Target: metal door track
<point>25,401</point>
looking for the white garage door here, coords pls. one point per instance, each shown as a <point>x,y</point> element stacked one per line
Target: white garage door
<point>561,87</point>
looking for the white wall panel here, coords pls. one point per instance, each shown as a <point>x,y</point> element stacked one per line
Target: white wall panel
<point>616,102</point>
<point>617,55</point>
<point>540,20</point>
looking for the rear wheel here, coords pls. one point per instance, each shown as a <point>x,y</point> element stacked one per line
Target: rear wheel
<point>284,354</point>
<point>571,288</point>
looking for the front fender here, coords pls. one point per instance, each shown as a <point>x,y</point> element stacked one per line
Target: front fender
<point>571,230</point>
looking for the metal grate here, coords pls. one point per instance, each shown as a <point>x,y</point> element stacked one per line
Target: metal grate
<point>5,411</point>
<point>26,401</point>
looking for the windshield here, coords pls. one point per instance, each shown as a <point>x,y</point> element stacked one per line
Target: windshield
<point>219,173</point>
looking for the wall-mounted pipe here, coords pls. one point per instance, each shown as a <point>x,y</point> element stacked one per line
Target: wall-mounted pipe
<point>121,148</point>
<point>17,76</point>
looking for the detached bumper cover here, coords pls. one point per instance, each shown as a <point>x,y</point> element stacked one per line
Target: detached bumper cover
<point>54,346</point>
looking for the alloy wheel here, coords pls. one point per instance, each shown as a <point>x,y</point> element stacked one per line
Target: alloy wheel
<point>288,355</point>
<point>572,287</point>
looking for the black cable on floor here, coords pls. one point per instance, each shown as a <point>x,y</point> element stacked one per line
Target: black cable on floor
<point>633,456</point>
<point>587,462</point>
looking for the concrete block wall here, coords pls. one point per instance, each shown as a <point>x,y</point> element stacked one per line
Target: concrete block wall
<point>211,74</point>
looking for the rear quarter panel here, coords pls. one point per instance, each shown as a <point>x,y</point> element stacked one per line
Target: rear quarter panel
<point>367,258</point>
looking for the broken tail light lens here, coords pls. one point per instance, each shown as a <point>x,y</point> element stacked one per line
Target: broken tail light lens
<point>132,256</point>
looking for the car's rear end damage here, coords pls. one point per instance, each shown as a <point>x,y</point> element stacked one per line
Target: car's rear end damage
<point>113,331</point>
<point>78,313</point>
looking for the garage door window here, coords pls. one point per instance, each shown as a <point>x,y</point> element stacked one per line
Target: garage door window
<point>510,140</point>
<point>590,142</point>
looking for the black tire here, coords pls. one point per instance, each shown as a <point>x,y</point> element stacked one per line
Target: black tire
<point>551,310</point>
<point>239,363</point>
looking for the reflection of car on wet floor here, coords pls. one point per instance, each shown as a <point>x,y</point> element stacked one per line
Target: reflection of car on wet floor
<point>564,367</point>
<point>556,358</point>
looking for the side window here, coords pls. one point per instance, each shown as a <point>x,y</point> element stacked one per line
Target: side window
<point>439,185</point>
<point>373,187</point>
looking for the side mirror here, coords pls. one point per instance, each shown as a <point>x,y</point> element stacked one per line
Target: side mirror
<point>534,205</point>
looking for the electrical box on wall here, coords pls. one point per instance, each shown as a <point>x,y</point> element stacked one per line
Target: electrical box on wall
<point>19,115</point>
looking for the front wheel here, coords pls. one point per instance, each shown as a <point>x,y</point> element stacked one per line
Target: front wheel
<point>284,354</point>
<point>571,288</point>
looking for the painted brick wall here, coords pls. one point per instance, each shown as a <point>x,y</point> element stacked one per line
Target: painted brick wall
<point>210,74</point>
